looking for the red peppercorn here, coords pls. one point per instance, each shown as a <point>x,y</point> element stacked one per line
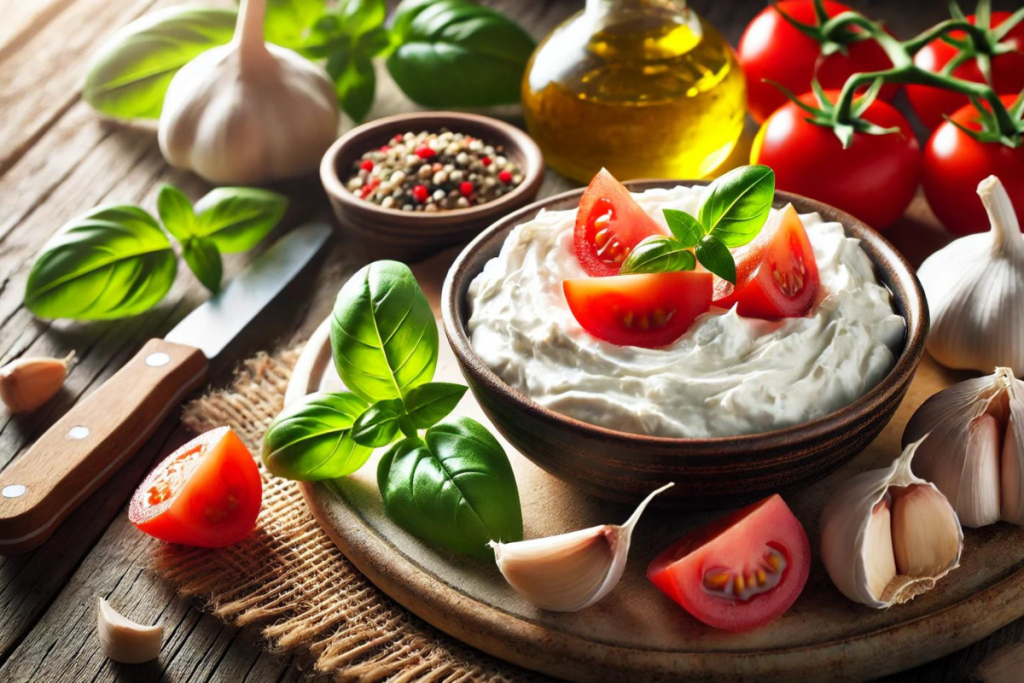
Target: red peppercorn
<point>420,193</point>
<point>486,161</point>
<point>385,148</point>
<point>505,177</point>
<point>466,188</point>
<point>424,152</point>
<point>367,165</point>
<point>396,139</point>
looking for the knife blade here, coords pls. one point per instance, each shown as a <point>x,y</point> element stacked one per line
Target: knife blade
<point>93,439</point>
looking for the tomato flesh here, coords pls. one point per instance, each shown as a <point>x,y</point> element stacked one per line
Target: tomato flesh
<point>609,223</point>
<point>206,494</point>
<point>740,571</point>
<point>777,275</point>
<point>649,310</point>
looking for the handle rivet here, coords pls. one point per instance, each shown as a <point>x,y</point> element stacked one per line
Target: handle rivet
<point>158,359</point>
<point>13,491</point>
<point>78,433</point>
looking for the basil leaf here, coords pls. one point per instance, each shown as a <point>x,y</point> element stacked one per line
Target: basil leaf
<point>658,254</point>
<point>128,78</point>
<point>362,16</point>
<point>379,424</point>
<point>738,203</point>
<point>430,403</point>
<point>236,218</point>
<point>455,488</point>
<point>407,10</point>
<point>176,213</point>
<point>684,227</point>
<point>355,82</point>
<point>716,257</point>
<point>287,22</point>
<point>453,53</point>
<point>383,333</point>
<point>204,261</point>
<point>312,440</point>
<point>113,262</point>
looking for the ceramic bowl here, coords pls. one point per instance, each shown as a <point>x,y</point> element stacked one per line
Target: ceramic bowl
<point>404,233</point>
<point>712,472</point>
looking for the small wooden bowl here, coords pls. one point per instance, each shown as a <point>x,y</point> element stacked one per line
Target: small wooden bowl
<point>709,473</point>
<point>404,233</point>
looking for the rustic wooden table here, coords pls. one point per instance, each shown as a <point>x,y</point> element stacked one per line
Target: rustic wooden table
<point>58,159</point>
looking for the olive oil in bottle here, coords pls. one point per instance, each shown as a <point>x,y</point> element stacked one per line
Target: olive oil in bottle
<point>644,88</point>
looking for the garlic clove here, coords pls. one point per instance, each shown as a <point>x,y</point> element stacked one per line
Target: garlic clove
<point>924,531</point>
<point>1011,472</point>
<point>1003,666</point>
<point>979,488</point>
<point>28,383</point>
<point>880,565</point>
<point>124,640</point>
<point>572,571</point>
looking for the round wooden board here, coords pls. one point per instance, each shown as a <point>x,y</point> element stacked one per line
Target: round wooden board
<point>636,633</point>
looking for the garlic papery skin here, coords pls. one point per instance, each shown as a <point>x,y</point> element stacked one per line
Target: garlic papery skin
<point>888,536</point>
<point>248,112</point>
<point>28,383</point>
<point>975,292</point>
<point>124,640</point>
<point>571,571</point>
<point>974,451</point>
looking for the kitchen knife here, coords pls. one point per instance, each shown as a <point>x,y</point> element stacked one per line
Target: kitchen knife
<point>86,446</point>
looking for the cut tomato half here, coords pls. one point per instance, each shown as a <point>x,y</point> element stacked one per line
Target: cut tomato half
<point>609,223</point>
<point>777,275</point>
<point>738,572</point>
<point>649,310</point>
<point>206,494</point>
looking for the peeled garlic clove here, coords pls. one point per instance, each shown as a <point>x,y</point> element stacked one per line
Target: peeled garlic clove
<point>124,640</point>
<point>28,383</point>
<point>1004,666</point>
<point>888,536</point>
<point>572,571</point>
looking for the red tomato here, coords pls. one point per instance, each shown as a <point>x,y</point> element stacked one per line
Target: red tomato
<point>874,179</point>
<point>771,48</point>
<point>738,572</point>
<point>609,224</point>
<point>205,494</point>
<point>954,165</point>
<point>648,310</point>
<point>776,276</point>
<point>1007,73</point>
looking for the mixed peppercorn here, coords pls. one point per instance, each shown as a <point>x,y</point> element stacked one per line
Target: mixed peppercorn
<point>433,172</point>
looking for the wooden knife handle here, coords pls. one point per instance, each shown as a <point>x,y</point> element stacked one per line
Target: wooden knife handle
<point>86,446</point>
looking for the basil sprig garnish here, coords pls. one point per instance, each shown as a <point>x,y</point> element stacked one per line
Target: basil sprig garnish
<point>733,213</point>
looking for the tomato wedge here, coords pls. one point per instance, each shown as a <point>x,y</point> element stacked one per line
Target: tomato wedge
<point>206,494</point>
<point>777,275</point>
<point>649,310</point>
<point>609,223</point>
<point>738,572</point>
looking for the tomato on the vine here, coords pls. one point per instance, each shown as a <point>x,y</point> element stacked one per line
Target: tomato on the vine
<point>954,165</point>
<point>874,178</point>
<point>772,49</point>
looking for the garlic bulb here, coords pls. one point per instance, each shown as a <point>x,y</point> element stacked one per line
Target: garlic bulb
<point>1004,666</point>
<point>975,292</point>
<point>28,383</point>
<point>125,641</point>
<point>887,536</point>
<point>248,112</point>
<point>572,571</point>
<point>975,451</point>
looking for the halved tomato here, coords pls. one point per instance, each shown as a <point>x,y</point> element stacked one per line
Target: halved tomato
<point>609,223</point>
<point>206,494</point>
<point>647,310</point>
<point>777,275</point>
<point>738,572</point>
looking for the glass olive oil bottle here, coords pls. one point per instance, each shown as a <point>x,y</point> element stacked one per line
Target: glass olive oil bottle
<point>644,88</point>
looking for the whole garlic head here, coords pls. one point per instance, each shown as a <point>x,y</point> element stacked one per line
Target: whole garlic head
<point>888,536</point>
<point>975,292</point>
<point>248,112</point>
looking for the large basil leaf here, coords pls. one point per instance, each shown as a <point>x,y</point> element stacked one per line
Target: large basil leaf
<point>129,76</point>
<point>383,332</point>
<point>288,22</point>
<point>430,403</point>
<point>658,254</point>
<point>312,440</point>
<point>235,219</point>
<point>453,53</point>
<point>455,488</point>
<point>113,262</point>
<point>737,204</point>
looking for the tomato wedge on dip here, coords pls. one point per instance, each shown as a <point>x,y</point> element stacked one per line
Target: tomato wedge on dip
<point>206,494</point>
<point>776,276</point>
<point>649,310</point>
<point>609,223</point>
<point>738,572</point>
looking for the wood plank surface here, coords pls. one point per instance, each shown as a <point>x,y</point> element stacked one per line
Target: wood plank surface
<point>59,159</point>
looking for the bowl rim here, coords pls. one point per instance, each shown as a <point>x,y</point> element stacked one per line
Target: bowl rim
<point>533,171</point>
<point>910,297</point>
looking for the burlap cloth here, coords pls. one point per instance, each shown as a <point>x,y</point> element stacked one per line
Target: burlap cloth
<point>290,580</point>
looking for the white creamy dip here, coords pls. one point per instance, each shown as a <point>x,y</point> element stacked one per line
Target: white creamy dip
<point>726,376</point>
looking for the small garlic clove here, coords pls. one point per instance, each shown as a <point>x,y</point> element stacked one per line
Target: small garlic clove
<point>28,383</point>
<point>572,571</point>
<point>925,532</point>
<point>1011,470</point>
<point>978,498</point>
<point>1003,666</point>
<point>880,566</point>
<point>124,640</point>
